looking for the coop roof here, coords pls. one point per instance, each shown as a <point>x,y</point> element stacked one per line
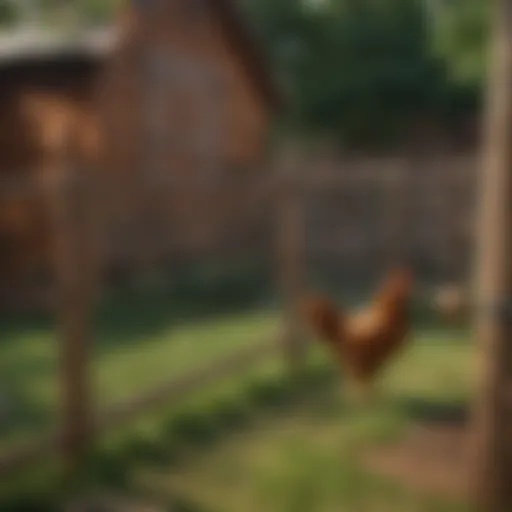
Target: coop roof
<point>31,45</point>
<point>27,45</point>
<point>242,39</point>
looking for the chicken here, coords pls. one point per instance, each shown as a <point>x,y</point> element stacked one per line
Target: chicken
<point>364,341</point>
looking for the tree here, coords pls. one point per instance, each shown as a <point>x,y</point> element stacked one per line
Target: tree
<point>460,35</point>
<point>360,68</point>
<point>493,421</point>
<point>9,13</point>
<point>51,11</point>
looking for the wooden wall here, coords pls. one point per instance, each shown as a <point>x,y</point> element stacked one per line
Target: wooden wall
<point>166,121</point>
<point>182,116</point>
<point>39,101</point>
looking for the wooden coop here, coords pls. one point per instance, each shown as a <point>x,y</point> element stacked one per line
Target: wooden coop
<point>168,110</point>
<point>44,88</point>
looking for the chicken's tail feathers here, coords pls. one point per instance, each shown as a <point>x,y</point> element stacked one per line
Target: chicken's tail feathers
<point>323,316</point>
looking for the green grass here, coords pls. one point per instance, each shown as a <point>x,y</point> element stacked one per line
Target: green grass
<point>140,342</point>
<point>252,441</point>
<point>307,457</point>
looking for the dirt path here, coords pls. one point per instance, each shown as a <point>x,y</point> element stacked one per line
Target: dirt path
<point>433,458</point>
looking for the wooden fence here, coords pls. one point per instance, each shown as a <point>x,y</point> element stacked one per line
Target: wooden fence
<point>77,224</point>
<point>355,218</point>
<point>362,214</point>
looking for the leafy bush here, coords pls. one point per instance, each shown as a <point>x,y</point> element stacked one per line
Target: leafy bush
<point>369,70</point>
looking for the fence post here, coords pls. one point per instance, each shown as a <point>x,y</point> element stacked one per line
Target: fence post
<point>398,211</point>
<point>73,263</point>
<point>493,405</point>
<point>291,249</point>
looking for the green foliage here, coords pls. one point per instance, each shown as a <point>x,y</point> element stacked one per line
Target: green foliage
<point>50,11</point>
<point>221,286</point>
<point>364,70</point>
<point>460,35</point>
<point>9,14</point>
<point>311,452</point>
<point>99,11</point>
<point>367,69</point>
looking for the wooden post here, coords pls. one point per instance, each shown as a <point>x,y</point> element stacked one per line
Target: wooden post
<point>75,280</point>
<point>291,248</point>
<point>493,407</point>
<point>397,213</point>
<point>157,83</point>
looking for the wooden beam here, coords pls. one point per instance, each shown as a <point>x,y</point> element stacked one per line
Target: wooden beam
<point>291,251</point>
<point>493,406</point>
<point>75,281</point>
<point>397,212</point>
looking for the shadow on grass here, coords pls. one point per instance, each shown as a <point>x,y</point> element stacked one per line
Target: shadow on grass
<point>181,504</point>
<point>125,320</point>
<point>21,409</point>
<point>129,317</point>
<point>12,325</point>
<point>18,408</point>
<point>29,352</point>
<point>193,431</point>
<point>188,432</point>
<point>106,503</point>
<point>425,411</point>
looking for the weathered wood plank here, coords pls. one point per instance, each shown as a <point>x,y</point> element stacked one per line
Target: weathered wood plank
<point>493,275</point>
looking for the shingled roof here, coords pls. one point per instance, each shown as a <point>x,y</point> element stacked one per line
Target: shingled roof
<point>31,45</point>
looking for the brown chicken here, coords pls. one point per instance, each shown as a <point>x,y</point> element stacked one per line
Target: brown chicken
<point>364,341</point>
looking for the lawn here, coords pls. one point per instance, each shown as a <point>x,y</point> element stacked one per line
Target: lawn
<point>140,341</point>
<point>308,456</point>
<point>249,443</point>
